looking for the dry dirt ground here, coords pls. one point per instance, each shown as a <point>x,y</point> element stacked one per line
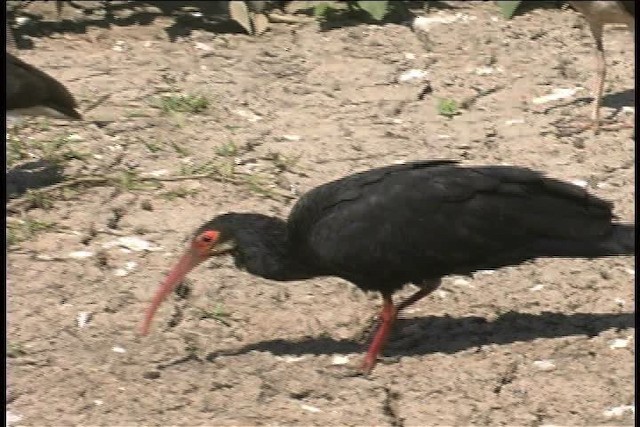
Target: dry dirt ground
<point>546,343</point>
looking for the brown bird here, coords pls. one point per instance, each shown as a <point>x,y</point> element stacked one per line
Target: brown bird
<point>597,14</point>
<point>411,223</point>
<point>32,92</point>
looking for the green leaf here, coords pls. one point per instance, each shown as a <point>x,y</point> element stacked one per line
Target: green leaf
<point>508,8</point>
<point>320,10</point>
<point>377,9</point>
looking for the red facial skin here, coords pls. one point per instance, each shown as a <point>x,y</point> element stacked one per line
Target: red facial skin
<point>198,251</point>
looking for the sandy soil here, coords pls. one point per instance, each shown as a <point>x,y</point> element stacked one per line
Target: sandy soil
<point>546,343</point>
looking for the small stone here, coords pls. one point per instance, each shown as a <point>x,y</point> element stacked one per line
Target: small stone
<point>618,411</point>
<point>151,375</point>
<point>544,365</point>
<point>339,360</point>
<point>619,343</point>
<point>310,408</point>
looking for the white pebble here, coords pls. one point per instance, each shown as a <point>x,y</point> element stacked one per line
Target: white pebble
<point>619,301</point>
<point>290,359</point>
<point>310,408</point>
<point>83,318</point>
<point>132,243</point>
<point>485,272</point>
<point>117,349</point>
<point>544,365</point>
<point>580,182</point>
<point>422,23</point>
<point>536,288</point>
<point>463,282</point>
<point>80,254</point>
<point>12,418</point>
<point>248,115</point>
<point>128,268</point>
<point>630,271</point>
<point>119,46</point>
<point>485,71</point>
<point>292,138</point>
<point>339,360</point>
<point>98,402</point>
<point>618,411</point>
<point>204,47</point>
<point>619,343</point>
<point>412,75</point>
<point>557,94</point>
<point>514,122</point>
<point>159,172</point>
<point>442,294</point>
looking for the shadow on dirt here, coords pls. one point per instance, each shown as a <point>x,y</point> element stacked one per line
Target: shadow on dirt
<point>32,175</point>
<point>187,16</point>
<point>450,335</point>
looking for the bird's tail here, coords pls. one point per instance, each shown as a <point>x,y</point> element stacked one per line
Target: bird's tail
<point>622,240</point>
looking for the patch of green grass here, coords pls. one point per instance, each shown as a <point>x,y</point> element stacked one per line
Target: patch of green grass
<point>216,313</point>
<point>282,162</point>
<point>179,192</point>
<point>256,184</point>
<point>57,150</point>
<point>228,149</point>
<point>39,199</point>
<point>15,350</point>
<point>448,107</point>
<point>129,181</point>
<point>17,149</point>
<point>25,229</point>
<point>153,147</point>
<point>183,103</point>
<point>179,149</point>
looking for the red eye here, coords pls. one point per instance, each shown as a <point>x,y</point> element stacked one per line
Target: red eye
<point>209,236</point>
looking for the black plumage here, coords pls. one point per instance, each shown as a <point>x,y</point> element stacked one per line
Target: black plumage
<point>31,91</point>
<point>413,223</point>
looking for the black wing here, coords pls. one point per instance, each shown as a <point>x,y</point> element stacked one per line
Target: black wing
<point>29,87</point>
<point>408,223</point>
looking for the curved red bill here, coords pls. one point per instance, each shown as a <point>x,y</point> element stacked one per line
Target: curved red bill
<point>187,262</point>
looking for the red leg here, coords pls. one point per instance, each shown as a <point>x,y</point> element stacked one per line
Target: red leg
<point>387,317</point>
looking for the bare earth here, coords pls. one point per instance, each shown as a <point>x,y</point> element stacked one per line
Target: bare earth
<point>546,343</point>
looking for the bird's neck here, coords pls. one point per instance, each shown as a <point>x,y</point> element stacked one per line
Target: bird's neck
<point>266,251</point>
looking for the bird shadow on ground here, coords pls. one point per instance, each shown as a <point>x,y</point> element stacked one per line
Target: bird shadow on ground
<point>435,334</point>
<point>625,98</point>
<point>32,175</point>
<point>212,19</point>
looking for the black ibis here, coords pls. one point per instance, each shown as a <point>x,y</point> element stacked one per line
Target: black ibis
<point>31,91</point>
<point>597,14</point>
<point>411,223</point>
